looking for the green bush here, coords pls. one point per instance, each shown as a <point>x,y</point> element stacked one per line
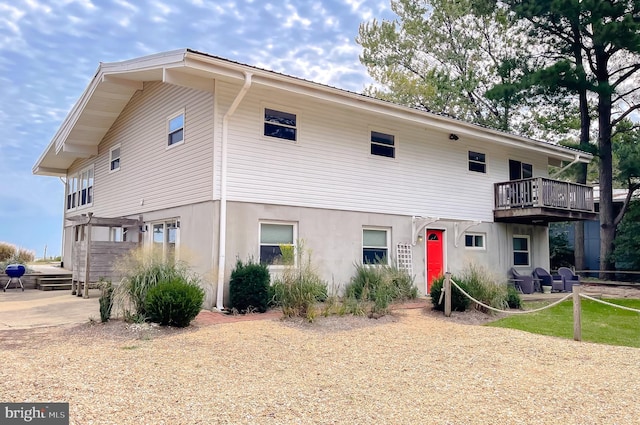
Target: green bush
<point>106,293</point>
<point>297,290</point>
<point>249,286</point>
<point>174,303</point>
<point>459,302</point>
<point>142,271</point>
<point>513,298</point>
<point>483,287</point>
<point>381,284</point>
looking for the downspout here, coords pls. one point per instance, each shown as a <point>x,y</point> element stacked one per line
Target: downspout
<point>557,173</point>
<point>64,212</point>
<point>223,190</point>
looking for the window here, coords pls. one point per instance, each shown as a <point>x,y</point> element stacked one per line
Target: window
<point>474,240</point>
<point>477,162</point>
<point>375,246</point>
<point>175,127</point>
<point>521,250</point>
<point>80,189</point>
<point>117,234</point>
<point>383,144</point>
<point>274,237</point>
<point>281,125</point>
<point>519,170</point>
<point>72,187</point>
<point>114,158</point>
<point>164,239</point>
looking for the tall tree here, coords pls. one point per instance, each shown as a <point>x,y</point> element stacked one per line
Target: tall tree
<point>440,56</point>
<point>603,38</point>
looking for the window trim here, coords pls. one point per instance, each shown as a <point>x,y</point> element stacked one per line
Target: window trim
<point>286,110</point>
<point>475,235</point>
<point>387,231</point>
<point>112,159</point>
<point>528,251</point>
<point>294,224</point>
<point>521,168</point>
<point>168,132</point>
<point>148,240</point>
<point>473,161</point>
<point>76,179</point>
<point>385,132</point>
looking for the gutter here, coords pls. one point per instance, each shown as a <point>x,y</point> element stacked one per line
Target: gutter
<point>560,171</point>
<point>223,190</point>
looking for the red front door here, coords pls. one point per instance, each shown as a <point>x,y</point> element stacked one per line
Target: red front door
<point>435,256</point>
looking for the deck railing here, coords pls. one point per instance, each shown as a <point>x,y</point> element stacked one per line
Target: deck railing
<point>542,192</point>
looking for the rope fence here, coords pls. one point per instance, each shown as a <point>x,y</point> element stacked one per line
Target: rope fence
<point>576,295</point>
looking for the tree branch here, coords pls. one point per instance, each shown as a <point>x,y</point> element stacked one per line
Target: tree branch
<point>625,114</point>
<point>632,188</point>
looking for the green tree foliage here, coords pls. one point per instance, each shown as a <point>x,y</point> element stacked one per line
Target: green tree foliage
<point>591,47</point>
<point>627,242</point>
<point>440,56</point>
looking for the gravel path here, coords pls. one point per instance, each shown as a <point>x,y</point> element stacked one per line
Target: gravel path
<point>409,368</point>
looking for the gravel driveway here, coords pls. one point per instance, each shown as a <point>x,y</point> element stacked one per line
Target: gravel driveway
<point>415,367</point>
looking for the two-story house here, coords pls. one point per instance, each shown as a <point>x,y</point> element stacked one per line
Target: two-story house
<point>209,160</point>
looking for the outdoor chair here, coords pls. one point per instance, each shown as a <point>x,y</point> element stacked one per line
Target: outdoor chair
<point>522,282</point>
<point>556,282</point>
<point>568,278</point>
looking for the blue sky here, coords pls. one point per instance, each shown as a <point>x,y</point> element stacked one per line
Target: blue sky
<point>49,51</point>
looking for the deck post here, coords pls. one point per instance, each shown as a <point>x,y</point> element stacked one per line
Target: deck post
<point>577,314</point>
<point>447,294</point>
<point>87,272</point>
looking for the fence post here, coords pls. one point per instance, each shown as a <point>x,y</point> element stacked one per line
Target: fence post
<point>577,314</point>
<point>447,294</point>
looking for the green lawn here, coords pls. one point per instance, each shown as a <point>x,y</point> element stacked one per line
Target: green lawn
<point>600,323</point>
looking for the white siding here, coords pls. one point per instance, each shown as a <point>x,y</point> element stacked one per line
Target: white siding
<point>331,165</point>
<point>151,174</point>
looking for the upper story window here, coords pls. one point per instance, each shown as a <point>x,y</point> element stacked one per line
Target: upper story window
<point>114,158</point>
<point>477,162</point>
<point>80,188</point>
<point>474,240</point>
<point>281,125</point>
<point>375,246</point>
<point>383,144</point>
<point>175,129</point>
<point>521,250</point>
<point>274,238</point>
<point>519,170</point>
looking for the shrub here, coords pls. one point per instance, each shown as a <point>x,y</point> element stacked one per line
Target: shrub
<point>513,298</point>
<point>459,302</point>
<point>298,289</point>
<point>24,256</point>
<point>106,293</point>
<point>249,286</point>
<point>483,287</point>
<point>380,284</point>
<point>143,271</point>
<point>7,251</point>
<point>174,303</point>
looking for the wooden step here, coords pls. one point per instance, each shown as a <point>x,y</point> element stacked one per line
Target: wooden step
<point>54,286</point>
<point>53,282</point>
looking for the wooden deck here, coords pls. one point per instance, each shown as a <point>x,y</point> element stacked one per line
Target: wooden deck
<point>540,200</point>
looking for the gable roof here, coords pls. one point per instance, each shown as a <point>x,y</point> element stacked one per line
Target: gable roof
<point>114,84</point>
